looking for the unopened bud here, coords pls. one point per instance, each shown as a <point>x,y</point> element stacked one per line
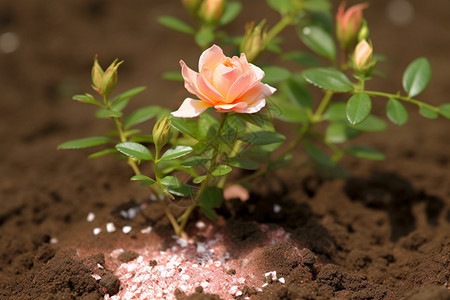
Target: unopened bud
<point>191,6</point>
<point>211,11</point>
<point>362,58</point>
<point>161,132</point>
<point>348,24</point>
<point>97,76</point>
<point>110,78</point>
<point>254,40</point>
<point>363,33</point>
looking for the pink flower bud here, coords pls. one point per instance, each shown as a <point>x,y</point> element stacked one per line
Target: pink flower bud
<point>348,23</point>
<point>363,57</point>
<point>211,11</point>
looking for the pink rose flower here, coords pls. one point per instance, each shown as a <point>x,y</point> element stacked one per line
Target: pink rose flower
<point>227,84</point>
<point>348,24</point>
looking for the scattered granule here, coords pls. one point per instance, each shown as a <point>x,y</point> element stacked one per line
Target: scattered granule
<point>188,266</point>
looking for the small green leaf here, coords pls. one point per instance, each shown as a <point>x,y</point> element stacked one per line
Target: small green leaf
<point>211,197</point>
<point>142,138</point>
<point>289,112</point>
<point>259,120</point>
<point>204,36</point>
<point>146,181</point>
<point>185,125</point>
<point>365,152</point>
<point>176,152</point>
<point>183,190</point>
<point>102,153</point>
<point>125,96</point>
<point>243,163</point>
<point>317,5</point>
<point>427,112</point>
<point>176,24</point>
<point>209,213</point>
<point>221,170</point>
<point>318,40</point>
<point>141,115</point>
<point>199,179</point>
<point>282,6</point>
<point>85,142</point>
<point>371,124</point>
<point>232,10</point>
<point>103,113</point>
<point>135,150</point>
<point>87,98</point>
<point>207,125</point>
<point>194,161</point>
<point>358,108</point>
<point>275,74</point>
<point>329,79</point>
<point>336,133</point>
<point>175,76</point>
<point>170,182</point>
<point>444,110</point>
<point>396,112</point>
<point>336,112</point>
<point>318,155</point>
<point>262,137</point>
<point>296,90</point>
<point>416,76</point>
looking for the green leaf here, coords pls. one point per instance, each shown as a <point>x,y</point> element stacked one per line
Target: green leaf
<point>302,58</point>
<point>396,112</point>
<point>318,155</point>
<point>194,161</point>
<point>207,125</point>
<point>317,5</point>
<point>329,79</point>
<point>444,110</point>
<point>211,197</point>
<point>176,152</point>
<point>282,6</point>
<point>141,115</point>
<point>146,181</point>
<point>103,113</point>
<point>175,76</point>
<point>185,125</point>
<point>170,182</point>
<point>232,10</point>
<point>336,112</point>
<point>199,179</point>
<point>183,190</point>
<point>209,213</point>
<point>280,163</point>
<point>365,152</point>
<point>427,112</point>
<point>296,91</point>
<point>142,138</point>
<point>135,150</point>
<point>337,133</point>
<point>318,40</point>
<point>221,170</point>
<point>289,112</point>
<point>176,24</point>
<point>125,96</point>
<point>85,142</point>
<point>275,74</point>
<point>102,153</point>
<point>243,163</point>
<point>204,37</point>
<point>416,76</point>
<point>262,137</point>
<point>260,120</point>
<point>358,108</point>
<point>87,98</point>
<point>371,124</point>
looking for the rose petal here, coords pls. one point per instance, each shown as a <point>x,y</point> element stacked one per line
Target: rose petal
<point>230,107</point>
<point>211,58</point>
<point>190,82</point>
<point>252,108</point>
<point>191,108</point>
<point>224,77</point>
<point>260,91</point>
<point>208,90</point>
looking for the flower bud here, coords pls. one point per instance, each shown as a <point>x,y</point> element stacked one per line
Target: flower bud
<point>110,78</point>
<point>348,24</point>
<point>97,76</point>
<point>211,11</point>
<point>362,58</point>
<point>161,132</point>
<point>191,6</point>
<point>363,33</point>
<point>254,40</point>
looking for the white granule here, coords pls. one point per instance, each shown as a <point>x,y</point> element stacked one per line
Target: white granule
<point>110,227</point>
<point>276,208</point>
<point>282,280</point>
<point>200,225</point>
<point>147,230</point>
<point>53,241</point>
<point>97,230</point>
<point>90,217</point>
<point>127,229</point>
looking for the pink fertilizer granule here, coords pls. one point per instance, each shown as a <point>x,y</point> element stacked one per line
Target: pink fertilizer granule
<point>187,265</point>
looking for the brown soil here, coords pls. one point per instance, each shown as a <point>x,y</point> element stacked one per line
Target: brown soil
<point>383,233</point>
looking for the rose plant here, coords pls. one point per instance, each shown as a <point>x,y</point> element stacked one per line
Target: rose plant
<point>191,143</point>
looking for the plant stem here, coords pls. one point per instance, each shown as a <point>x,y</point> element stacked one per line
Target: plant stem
<point>399,97</point>
<point>184,218</point>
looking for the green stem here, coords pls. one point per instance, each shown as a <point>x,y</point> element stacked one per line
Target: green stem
<point>399,97</point>
<point>184,218</point>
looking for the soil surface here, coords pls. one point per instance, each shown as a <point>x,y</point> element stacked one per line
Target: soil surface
<point>381,233</point>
